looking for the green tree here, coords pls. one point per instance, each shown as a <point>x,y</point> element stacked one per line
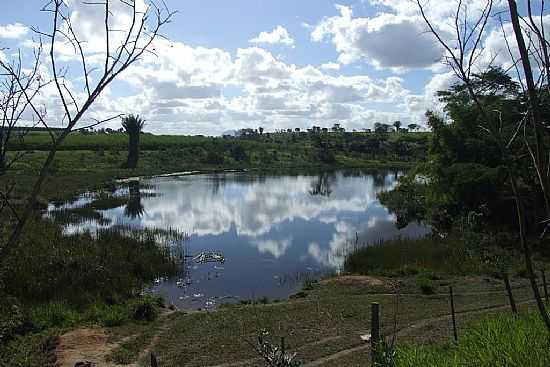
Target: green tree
<point>397,125</point>
<point>466,166</point>
<point>133,125</point>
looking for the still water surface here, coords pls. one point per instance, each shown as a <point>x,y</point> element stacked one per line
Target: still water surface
<point>273,230</point>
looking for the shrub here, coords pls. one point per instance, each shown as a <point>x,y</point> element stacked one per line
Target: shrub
<point>11,319</point>
<point>425,285</point>
<point>275,355</point>
<point>145,310</point>
<point>114,316</point>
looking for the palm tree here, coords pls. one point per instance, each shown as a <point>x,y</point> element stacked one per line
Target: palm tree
<point>397,125</point>
<point>133,126</point>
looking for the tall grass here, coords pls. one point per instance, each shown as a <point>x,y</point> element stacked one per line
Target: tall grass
<point>81,269</point>
<point>494,342</point>
<point>453,254</point>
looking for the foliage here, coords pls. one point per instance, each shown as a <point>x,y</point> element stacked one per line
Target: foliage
<point>145,310</point>
<point>11,319</point>
<point>133,125</point>
<point>496,341</point>
<point>385,354</point>
<point>214,158</point>
<point>465,167</point>
<point>275,355</point>
<point>425,286</point>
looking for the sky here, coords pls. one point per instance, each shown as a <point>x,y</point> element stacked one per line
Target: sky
<point>227,65</point>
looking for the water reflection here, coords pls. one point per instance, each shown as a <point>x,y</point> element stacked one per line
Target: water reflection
<point>267,227</point>
<point>134,208</point>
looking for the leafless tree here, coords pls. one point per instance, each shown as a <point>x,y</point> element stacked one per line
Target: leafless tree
<point>122,48</point>
<point>15,87</point>
<point>462,51</point>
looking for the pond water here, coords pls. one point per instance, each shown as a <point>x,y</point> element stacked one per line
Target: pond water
<point>274,231</point>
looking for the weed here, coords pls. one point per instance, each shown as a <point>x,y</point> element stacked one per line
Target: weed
<point>426,286</point>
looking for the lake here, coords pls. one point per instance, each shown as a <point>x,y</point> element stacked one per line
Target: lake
<point>274,231</point>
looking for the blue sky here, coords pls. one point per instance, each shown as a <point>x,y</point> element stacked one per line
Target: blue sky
<point>277,64</point>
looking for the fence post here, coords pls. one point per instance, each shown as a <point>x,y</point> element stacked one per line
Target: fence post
<point>375,329</point>
<point>510,294</point>
<point>543,273</point>
<point>154,362</point>
<point>455,333</point>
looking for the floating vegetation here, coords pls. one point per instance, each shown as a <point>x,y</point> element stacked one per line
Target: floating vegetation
<point>209,257</point>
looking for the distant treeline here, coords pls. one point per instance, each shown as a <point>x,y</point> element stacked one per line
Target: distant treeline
<point>324,147</point>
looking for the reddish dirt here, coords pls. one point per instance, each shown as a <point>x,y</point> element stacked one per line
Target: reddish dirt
<point>81,345</point>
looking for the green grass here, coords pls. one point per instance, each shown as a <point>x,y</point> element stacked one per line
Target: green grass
<point>48,265</point>
<point>408,256</point>
<point>339,313</point>
<point>504,340</point>
<point>457,254</point>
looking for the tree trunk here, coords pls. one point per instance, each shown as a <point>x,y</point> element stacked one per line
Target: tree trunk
<point>2,152</point>
<point>527,253</point>
<point>133,150</point>
<point>540,158</point>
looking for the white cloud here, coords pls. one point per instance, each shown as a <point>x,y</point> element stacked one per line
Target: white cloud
<point>276,248</point>
<point>330,66</point>
<point>385,41</point>
<point>192,89</point>
<point>13,31</point>
<point>278,36</point>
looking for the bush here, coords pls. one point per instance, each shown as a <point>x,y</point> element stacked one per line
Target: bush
<point>425,285</point>
<point>145,310</point>
<point>114,316</point>
<point>52,315</point>
<point>11,319</point>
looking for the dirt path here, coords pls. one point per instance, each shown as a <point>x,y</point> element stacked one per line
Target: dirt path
<point>94,345</point>
<point>85,345</point>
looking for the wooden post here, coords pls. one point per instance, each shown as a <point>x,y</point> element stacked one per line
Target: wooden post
<point>543,273</point>
<point>154,362</point>
<point>510,294</point>
<point>375,329</point>
<point>455,333</point>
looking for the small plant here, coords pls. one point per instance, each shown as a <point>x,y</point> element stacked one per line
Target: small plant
<point>385,354</point>
<point>274,355</point>
<point>425,286</point>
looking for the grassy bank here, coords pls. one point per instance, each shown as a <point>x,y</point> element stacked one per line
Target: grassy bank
<point>327,319</point>
<point>504,340</point>
<point>53,281</point>
<point>458,253</point>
